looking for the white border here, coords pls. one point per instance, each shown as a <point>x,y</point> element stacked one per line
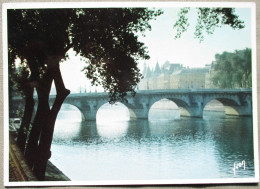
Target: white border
<point>134,182</point>
<point>254,90</point>
<point>5,96</point>
<point>6,6</point>
<point>149,4</point>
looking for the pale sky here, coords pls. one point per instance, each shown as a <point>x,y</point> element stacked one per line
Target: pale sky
<point>162,46</point>
<point>190,51</point>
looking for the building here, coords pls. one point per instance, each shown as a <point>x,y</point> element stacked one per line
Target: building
<point>175,76</point>
<point>189,78</point>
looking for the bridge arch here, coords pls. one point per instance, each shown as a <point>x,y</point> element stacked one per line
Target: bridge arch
<point>117,112</point>
<point>181,104</point>
<point>68,122</point>
<point>132,110</point>
<point>231,105</point>
<point>77,107</point>
<point>164,109</point>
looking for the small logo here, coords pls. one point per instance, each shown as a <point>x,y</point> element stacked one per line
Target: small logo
<point>241,164</point>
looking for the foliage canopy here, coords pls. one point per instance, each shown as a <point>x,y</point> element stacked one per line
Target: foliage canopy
<point>105,37</point>
<point>207,21</point>
<point>233,70</point>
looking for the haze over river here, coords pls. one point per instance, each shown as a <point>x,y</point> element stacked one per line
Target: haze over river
<point>166,146</point>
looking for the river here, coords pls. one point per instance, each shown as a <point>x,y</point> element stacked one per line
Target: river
<point>166,146</point>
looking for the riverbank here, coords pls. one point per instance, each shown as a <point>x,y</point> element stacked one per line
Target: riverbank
<point>20,171</point>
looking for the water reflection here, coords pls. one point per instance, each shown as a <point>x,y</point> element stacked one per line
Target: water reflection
<point>138,129</point>
<point>113,123</point>
<point>68,124</point>
<point>164,149</point>
<point>234,143</point>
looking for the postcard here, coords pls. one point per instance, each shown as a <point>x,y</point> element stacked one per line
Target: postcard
<point>129,93</point>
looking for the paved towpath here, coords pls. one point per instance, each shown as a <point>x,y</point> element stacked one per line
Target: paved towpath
<point>20,171</point>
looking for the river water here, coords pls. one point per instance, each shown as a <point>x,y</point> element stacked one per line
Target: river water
<point>166,146</point>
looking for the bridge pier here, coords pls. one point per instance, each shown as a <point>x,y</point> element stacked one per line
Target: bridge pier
<point>89,112</point>
<point>138,111</point>
<point>88,115</point>
<point>194,110</point>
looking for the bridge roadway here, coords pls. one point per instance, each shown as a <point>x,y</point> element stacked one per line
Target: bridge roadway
<point>191,102</point>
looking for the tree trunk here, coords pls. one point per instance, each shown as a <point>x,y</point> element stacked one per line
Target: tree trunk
<point>43,90</point>
<point>40,139</point>
<point>43,151</point>
<point>26,120</point>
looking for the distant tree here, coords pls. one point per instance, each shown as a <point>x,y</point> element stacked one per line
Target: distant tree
<point>207,21</point>
<point>107,40</point>
<point>233,70</point>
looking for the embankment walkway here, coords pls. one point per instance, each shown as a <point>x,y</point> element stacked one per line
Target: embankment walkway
<point>20,171</point>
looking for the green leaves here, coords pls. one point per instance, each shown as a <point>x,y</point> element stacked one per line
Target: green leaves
<point>207,21</point>
<point>106,38</point>
<point>233,70</point>
<point>181,24</point>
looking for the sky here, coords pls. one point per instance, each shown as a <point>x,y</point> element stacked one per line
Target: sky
<point>162,46</point>
<point>190,51</point>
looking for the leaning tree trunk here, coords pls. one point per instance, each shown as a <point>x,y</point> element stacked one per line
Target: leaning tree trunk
<point>27,116</point>
<point>43,152</point>
<point>43,89</point>
<point>40,139</point>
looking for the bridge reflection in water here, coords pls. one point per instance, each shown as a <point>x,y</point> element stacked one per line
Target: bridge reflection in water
<point>152,149</point>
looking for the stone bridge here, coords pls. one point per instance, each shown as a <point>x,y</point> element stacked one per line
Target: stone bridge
<point>191,102</point>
